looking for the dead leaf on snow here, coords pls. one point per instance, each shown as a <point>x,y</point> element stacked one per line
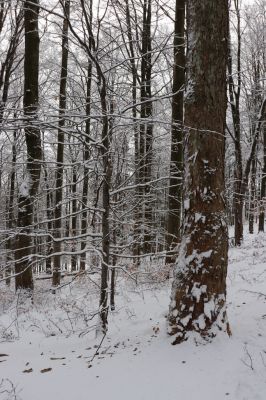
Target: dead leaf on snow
<point>45,370</point>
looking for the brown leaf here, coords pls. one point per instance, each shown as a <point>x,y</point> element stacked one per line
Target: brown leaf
<point>27,371</point>
<point>45,370</point>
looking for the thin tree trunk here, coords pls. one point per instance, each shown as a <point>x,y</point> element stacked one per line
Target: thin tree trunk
<point>86,157</point>
<point>263,183</point>
<point>138,191</point>
<point>146,127</point>
<point>74,262</point>
<point>176,163</point>
<point>50,215</point>
<point>10,211</point>
<point>60,149</point>
<point>234,94</point>
<point>252,205</point>
<point>106,213</point>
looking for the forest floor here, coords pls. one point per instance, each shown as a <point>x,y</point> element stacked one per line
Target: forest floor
<point>48,350</point>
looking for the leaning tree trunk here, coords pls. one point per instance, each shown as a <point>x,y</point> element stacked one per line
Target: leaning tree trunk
<point>175,188</point>
<point>199,286</point>
<point>29,187</point>
<point>60,150</point>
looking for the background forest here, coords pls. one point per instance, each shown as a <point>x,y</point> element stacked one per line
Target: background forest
<point>95,100</point>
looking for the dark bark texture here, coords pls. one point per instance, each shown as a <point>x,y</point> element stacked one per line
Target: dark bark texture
<point>199,287</point>
<point>29,188</point>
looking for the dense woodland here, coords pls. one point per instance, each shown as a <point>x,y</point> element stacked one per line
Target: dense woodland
<point>133,135</point>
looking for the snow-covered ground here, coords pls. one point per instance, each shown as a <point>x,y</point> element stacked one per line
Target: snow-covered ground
<point>49,351</point>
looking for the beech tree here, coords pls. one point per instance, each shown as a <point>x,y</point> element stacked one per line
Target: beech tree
<point>198,299</point>
<point>30,184</point>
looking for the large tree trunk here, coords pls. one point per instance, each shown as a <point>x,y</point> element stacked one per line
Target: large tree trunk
<point>29,188</point>
<point>60,149</point>
<point>175,188</point>
<point>199,287</point>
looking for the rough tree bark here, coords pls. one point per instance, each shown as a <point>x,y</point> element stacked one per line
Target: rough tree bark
<point>29,188</point>
<point>199,287</point>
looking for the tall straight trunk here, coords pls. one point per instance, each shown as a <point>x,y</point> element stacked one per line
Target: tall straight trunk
<point>137,158</point>
<point>146,126</point>
<point>115,200</point>
<point>252,205</point>
<point>60,149</point>
<point>10,210</point>
<point>29,188</point>
<point>113,273</point>
<point>199,286</point>
<point>50,214</point>
<point>86,157</point>
<point>263,182</point>
<point>107,173</point>
<point>234,95</point>
<point>176,163</point>
<point>74,262</point>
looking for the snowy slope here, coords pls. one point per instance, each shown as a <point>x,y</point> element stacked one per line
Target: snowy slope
<point>136,359</point>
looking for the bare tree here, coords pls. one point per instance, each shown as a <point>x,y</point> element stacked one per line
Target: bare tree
<point>60,148</point>
<point>176,161</point>
<point>29,187</point>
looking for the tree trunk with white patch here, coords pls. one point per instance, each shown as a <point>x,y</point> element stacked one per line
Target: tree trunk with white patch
<point>199,287</point>
<point>30,185</point>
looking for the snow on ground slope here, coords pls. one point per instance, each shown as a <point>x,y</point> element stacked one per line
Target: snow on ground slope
<point>53,342</point>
